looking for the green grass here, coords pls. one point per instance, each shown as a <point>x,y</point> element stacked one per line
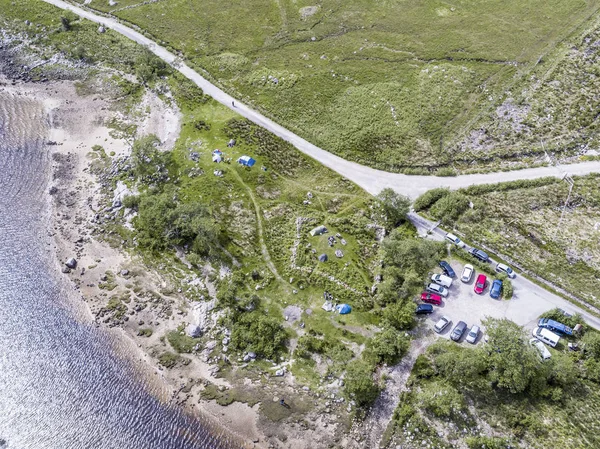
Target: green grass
<point>341,70</point>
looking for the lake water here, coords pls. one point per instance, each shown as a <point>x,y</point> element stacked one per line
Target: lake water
<point>61,384</point>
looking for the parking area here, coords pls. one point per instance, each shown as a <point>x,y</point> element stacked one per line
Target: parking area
<point>463,304</point>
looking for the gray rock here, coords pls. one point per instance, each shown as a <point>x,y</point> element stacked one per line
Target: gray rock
<point>193,330</point>
<point>66,270</point>
<point>101,29</point>
<point>252,355</point>
<point>124,272</point>
<point>71,263</point>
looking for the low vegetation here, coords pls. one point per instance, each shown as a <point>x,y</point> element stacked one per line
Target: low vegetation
<point>501,394</point>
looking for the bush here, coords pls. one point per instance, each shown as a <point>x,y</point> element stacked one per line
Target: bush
<point>450,207</point>
<point>430,197</point>
<point>506,186</point>
<point>388,346</point>
<point>131,201</point>
<point>571,321</point>
<point>441,399</point>
<point>479,442</point>
<point>168,359</point>
<point>507,289</point>
<point>393,207</point>
<point>359,384</point>
<point>181,343</point>
<point>254,331</point>
<point>400,316</point>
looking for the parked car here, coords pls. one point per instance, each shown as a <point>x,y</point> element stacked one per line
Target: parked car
<point>423,309</point>
<point>454,239</point>
<point>473,334</point>
<point>478,254</point>
<point>444,281</point>
<point>555,326</point>
<point>467,273</point>
<point>503,268</point>
<point>546,336</point>
<point>437,289</point>
<point>431,298</point>
<point>480,284</point>
<point>496,289</point>
<point>447,269</point>
<point>458,331</point>
<point>543,350</point>
<point>442,324</point>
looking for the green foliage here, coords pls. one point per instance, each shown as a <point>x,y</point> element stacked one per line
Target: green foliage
<point>512,362</point>
<point>507,289</point>
<point>507,186</point>
<point>429,198</point>
<point>406,262</point>
<point>131,201</point>
<point>591,342</point>
<point>441,399</point>
<point>257,332</point>
<point>145,332</point>
<point>181,342</point>
<point>393,207</point>
<point>162,222</point>
<point>359,384</point>
<point>168,359</point>
<point>65,23</point>
<point>149,163</point>
<point>423,369</point>
<point>449,207</point>
<point>388,346</point>
<point>460,367</point>
<point>148,67</point>
<point>400,316</point>
<point>479,442</point>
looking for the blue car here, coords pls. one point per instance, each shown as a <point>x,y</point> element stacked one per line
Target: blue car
<point>447,269</point>
<point>424,308</point>
<point>496,289</point>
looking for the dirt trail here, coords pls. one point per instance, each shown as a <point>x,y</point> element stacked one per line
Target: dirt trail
<point>368,433</point>
<point>371,180</point>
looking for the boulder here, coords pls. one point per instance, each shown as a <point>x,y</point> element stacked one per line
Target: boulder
<point>71,263</point>
<point>193,330</point>
<point>101,29</point>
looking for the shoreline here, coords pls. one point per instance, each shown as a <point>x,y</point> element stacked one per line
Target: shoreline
<point>75,124</point>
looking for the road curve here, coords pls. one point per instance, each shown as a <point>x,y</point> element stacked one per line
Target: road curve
<point>371,180</point>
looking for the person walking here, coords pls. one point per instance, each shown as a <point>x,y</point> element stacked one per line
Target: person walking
<point>233,104</point>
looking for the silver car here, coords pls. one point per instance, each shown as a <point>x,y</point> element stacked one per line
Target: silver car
<point>467,273</point>
<point>442,324</point>
<point>473,334</point>
<point>503,268</point>
<point>437,289</point>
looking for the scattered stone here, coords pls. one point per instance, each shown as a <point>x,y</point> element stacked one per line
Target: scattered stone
<point>124,272</point>
<point>66,270</point>
<point>101,29</point>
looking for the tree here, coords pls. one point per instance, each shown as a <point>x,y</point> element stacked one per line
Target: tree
<point>388,346</point>
<point>461,367</point>
<point>441,399</point>
<point>359,384</point>
<point>257,332</point>
<point>591,342</point>
<point>512,362</point>
<point>393,207</point>
<point>399,316</point>
<point>147,159</point>
<point>148,67</point>
<point>450,207</point>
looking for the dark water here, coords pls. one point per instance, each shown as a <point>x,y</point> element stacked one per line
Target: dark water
<point>61,384</point>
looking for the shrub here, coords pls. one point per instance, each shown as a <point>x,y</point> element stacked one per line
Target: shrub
<point>393,207</point>
<point>400,316</point>
<point>181,343</point>
<point>441,399</point>
<point>168,359</point>
<point>359,384</point>
<point>388,346</point>
<point>479,442</point>
<point>450,207</point>
<point>429,198</point>
<point>507,289</point>
<point>131,201</point>
<point>254,331</point>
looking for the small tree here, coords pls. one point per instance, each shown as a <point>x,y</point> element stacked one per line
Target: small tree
<point>359,384</point>
<point>393,207</point>
<point>388,346</point>
<point>400,316</point>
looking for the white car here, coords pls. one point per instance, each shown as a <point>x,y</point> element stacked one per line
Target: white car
<point>503,268</point>
<point>473,334</point>
<point>467,273</point>
<point>437,289</point>
<point>442,324</point>
<point>544,353</point>
<point>444,281</point>
<point>454,239</point>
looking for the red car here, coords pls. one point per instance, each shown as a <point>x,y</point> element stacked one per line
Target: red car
<point>480,284</point>
<point>431,298</point>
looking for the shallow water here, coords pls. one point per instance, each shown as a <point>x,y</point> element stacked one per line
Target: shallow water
<point>61,384</point>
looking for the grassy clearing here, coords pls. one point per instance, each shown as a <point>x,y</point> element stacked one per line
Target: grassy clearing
<point>520,221</point>
<point>397,85</point>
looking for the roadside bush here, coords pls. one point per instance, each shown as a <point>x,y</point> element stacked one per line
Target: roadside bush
<point>507,289</point>
<point>400,316</point>
<point>359,384</point>
<point>571,321</point>
<point>148,67</point>
<point>257,332</point>
<point>479,442</point>
<point>430,197</point>
<point>450,207</point>
<point>392,207</point>
<point>506,186</point>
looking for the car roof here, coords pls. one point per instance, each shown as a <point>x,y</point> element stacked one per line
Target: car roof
<point>481,275</point>
<point>425,306</point>
<point>497,282</point>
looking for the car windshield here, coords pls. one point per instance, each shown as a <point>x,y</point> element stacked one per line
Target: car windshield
<point>480,284</point>
<point>472,333</point>
<point>509,270</point>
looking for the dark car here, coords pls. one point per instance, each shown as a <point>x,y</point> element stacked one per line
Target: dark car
<point>458,331</point>
<point>447,269</point>
<point>423,309</point>
<point>478,254</point>
<point>496,289</point>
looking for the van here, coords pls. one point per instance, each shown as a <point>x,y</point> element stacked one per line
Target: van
<point>444,281</point>
<point>555,326</point>
<point>454,239</point>
<point>546,336</point>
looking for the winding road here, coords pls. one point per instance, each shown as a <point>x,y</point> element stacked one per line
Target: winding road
<point>371,180</point>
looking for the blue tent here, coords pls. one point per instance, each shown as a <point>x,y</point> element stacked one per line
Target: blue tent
<point>247,161</point>
<point>343,309</point>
